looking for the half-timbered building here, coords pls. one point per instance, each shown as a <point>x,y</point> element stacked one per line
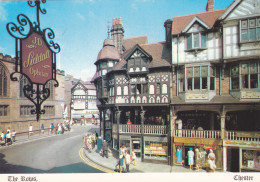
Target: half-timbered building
<point>134,95</point>
<point>215,101</point>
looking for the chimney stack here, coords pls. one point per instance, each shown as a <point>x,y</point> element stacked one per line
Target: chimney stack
<point>210,6</point>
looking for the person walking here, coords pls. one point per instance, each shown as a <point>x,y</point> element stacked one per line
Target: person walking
<point>105,149</point>
<point>13,136</point>
<point>190,158</point>
<point>133,157</point>
<point>121,162</point>
<point>86,141</point>
<point>197,159</point>
<point>127,161</point>
<point>8,138</point>
<point>42,128</point>
<point>30,130</point>
<point>211,167</point>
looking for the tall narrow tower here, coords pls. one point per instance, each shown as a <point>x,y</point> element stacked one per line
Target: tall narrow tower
<point>117,33</point>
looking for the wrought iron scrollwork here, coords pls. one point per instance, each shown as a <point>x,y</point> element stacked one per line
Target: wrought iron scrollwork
<point>36,92</point>
<point>19,31</point>
<point>49,36</point>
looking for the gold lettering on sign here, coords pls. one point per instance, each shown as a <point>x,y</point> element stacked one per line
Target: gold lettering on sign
<point>34,59</point>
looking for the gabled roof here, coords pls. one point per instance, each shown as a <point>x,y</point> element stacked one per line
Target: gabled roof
<point>230,8</point>
<point>132,41</point>
<point>196,19</point>
<point>160,53</point>
<point>181,22</point>
<point>130,53</point>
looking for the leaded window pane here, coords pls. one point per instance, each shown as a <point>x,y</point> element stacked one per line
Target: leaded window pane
<point>243,35</point>
<point>181,73</point>
<point>253,68</point>
<point>252,23</point>
<point>203,40</point>
<point>196,71</point>
<point>212,83</point>
<point>197,83</point>
<point>204,83</point>
<point>252,34</point>
<point>204,71</point>
<point>235,82</point>
<point>234,70</point>
<point>244,69</point>
<point>189,72</point>
<point>258,33</point>
<point>253,81</point>
<point>189,81</point>
<point>196,40</point>
<point>189,41</point>
<point>245,81</point>
<point>244,24</point>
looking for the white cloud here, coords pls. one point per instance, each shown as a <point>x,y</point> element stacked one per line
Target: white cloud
<point>81,16</point>
<point>3,13</point>
<point>88,73</point>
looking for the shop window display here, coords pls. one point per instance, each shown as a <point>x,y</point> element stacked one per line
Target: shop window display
<point>155,150</point>
<point>251,159</point>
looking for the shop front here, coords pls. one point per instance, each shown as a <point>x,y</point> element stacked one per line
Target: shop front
<point>156,148</point>
<point>181,147</point>
<point>242,156</point>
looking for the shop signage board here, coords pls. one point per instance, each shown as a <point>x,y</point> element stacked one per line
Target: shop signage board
<point>199,141</point>
<point>35,57</point>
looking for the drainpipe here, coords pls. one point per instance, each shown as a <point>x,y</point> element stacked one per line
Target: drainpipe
<point>222,60</point>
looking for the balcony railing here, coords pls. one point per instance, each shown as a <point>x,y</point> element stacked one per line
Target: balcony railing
<point>215,134</point>
<point>243,136</point>
<point>148,129</point>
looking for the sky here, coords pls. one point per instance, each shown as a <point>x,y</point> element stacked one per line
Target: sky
<point>81,26</point>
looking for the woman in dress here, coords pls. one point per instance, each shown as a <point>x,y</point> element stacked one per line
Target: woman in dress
<point>190,158</point>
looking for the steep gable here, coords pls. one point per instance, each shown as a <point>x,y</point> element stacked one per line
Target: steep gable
<point>241,8</point>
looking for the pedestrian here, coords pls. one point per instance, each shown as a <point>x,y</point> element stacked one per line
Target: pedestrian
<point>121,162</point>
<point>127,161</point>
<point>2,135</point>
<point>96,136</point>
<point>13,136</point>
<point>30,130</point>
<point>8,138</point>
<point>133,157</point>
<point>93,140</point>
<point>89,143</point>
<point>179,155</point>
<point>197,159</point>
<point>105,149</point>
<point>5,137</point>
<point>211,165</point>
<point>86,141</point>
<point>42,128</point>
<point>190,158</point>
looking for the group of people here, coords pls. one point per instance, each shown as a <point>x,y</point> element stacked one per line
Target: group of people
<point>211,165</point>
<point>125,159</point>
<point>90,141</point>
<point>7,137</point>
<point>58,128</point>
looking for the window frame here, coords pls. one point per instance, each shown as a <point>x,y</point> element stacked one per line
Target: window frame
<point>202,45</point>
<point>245,28</point>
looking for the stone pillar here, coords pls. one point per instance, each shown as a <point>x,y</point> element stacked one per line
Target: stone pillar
<point>142,134</point>
<point>118,114</point>
<point>100,121</point>
<point>104,123</point>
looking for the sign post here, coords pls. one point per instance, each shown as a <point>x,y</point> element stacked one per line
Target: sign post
<point>35,56</point>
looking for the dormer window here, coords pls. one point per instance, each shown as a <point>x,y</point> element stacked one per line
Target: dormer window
<point>250,30</point>
<point>196,41</point>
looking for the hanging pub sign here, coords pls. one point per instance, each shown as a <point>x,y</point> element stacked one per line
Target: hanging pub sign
<point>35,57</point>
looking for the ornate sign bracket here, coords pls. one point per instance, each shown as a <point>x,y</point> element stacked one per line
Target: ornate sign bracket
<point>35,57</point>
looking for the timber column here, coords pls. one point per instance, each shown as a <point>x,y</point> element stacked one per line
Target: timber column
<point>142,133</point>
<point>118,114</point>
<point>223,131</point>
<point>171,149</point>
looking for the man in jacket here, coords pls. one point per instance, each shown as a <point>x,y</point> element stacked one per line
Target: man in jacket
<point>105,149</point>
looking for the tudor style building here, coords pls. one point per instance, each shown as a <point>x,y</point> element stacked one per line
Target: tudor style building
<point>135,86</point>
<point>216,91</point>
<point>83,100</point>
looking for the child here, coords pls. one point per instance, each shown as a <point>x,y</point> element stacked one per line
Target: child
<point>13,136</point>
